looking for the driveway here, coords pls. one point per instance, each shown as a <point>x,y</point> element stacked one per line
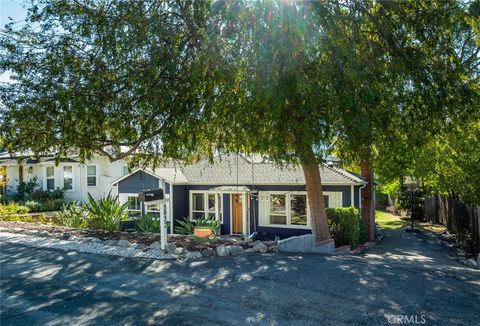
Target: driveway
<point>406,275</point>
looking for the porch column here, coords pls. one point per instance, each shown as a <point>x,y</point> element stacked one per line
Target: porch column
<point>352,196</point>
<point>244,213</point>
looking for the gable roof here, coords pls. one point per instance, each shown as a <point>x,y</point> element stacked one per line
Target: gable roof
<point>237,169</point>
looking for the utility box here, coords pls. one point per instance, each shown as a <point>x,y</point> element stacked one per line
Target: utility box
<point>150,195</point>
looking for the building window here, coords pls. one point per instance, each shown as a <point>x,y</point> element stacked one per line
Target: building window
<point>278,213</point>
<point>91,175</point>
<point>326,200</point>
<point>68,178</point>
<point>50,177</point>
<point>298,210</point>
<point>125,170</point>
<point>204,204</point>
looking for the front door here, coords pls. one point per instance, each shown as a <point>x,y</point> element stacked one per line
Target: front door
<point>237,223</point>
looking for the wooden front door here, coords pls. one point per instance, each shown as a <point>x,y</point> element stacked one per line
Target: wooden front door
<point>237,223</point>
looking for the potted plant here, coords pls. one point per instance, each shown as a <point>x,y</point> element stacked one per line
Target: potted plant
<point>206,228</point>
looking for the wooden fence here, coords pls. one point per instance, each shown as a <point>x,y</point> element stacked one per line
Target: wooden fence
<point>460,219</point>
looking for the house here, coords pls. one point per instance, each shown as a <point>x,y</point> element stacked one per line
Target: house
<point>247,194</point>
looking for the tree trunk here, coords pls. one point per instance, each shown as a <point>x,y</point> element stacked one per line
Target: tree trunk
<point>368,205</point>
<point>315,196</point>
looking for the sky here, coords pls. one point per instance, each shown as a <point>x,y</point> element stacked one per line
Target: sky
<point>14,9</point>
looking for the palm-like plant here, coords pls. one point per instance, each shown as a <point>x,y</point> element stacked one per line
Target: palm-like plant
<point>106,213</point>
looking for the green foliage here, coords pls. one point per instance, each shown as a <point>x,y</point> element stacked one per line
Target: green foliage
<point>106,213</point>
<point>33,206</point>
<point>344,224</point>
<point>185,226</point>
<point>73,216</point>
<point>148,223</point>
<point>13,209</point>
<point>208,222</point>
<point>412,202</point>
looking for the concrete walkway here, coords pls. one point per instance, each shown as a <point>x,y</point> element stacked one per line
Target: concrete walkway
<point>407,275</point>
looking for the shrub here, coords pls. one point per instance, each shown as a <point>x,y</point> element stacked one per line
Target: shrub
<point>148,223</point>
<point>344,225</point>
<point>33,206</point>
<point>106,213</point>
<point>73,216</point>
<point>185,226</point>
<point>13,209</point>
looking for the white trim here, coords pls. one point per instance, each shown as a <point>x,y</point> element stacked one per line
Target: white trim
<point>96,175</point>
<point>45,180</point>
<point>352,196</point>
<point>63,166</point>
<point>133,172</point>
<point>205,211</point>
<point>244,214</point>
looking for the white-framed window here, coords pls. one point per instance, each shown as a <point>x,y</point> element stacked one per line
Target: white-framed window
<point>290,209</point>
<point>67,177</point>
<point>206,204</point>
<point>134,206</point>
<point>125,170</point>
<point>92,176</point>
<point>50,177</point>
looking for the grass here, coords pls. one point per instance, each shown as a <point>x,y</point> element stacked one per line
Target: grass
<point>387,220</point>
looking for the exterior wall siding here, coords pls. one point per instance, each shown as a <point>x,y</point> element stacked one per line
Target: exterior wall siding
<point>137,182</point>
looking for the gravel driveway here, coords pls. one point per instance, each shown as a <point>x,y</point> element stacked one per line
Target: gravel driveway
<point>406,275</point>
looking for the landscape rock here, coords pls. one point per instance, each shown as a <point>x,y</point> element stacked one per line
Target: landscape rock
<point>91,239</point>
<point>235,250</point>
<point>17,230</point>
<point>193,255</point>
<point>207,253</point>
<point>249,251</point>
<point>223,251</point>
<point>471,263</point>
<point>155,245</point>
<point>111,243</point>
<point>65,236</point>
<point>170,247</point>
<point>261,248</point>
<point>273,249</point>
<point>179,251</point>
<point>73,238</point>
<point>123,243</point>
<point>2,229</point>
<point>255,243</point>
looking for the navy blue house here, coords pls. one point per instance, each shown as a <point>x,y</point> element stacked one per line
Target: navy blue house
<point>247,194</point>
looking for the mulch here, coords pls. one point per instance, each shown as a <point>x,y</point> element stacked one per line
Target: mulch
<point>145,239</point>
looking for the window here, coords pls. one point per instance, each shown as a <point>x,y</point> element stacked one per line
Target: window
<point>198,205</point>
<point>133,203</point>
<point>68,178</point>
<point>124,170</point>
<point>298,209</point>
<point>325,199</point>
<point>278,212</point>
<point>50,177</point>
<point>204,204</point>
<point>91,175</point>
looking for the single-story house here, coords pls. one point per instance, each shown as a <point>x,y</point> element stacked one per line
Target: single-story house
<point>247,194</point>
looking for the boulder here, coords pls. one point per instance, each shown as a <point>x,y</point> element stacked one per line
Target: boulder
<point>2,229</point>
<point>179,251</point>
<point>170,247</point>
<point>123,243</point>
<point>235,250</point>
<point>249,251</point>
<point>223,251</point>
<point>155,245</point>
<point>306,244</point>
<point>255,243</point>
<point>261,248</point>
<point>64,236</point>
<point>193,255</point>
<point>111,243</point>
<point>471,263</point>
<point>207,253</point>
<point>273,249</point>
<point>73,238</point>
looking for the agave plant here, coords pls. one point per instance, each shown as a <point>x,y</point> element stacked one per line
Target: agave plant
<point>208,222</point>
<point>73,216</point>
<point>185,226</point>
<point>106,213</point>
<point>148,223</point>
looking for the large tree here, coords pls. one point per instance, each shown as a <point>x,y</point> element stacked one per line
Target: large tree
<point>108,77</point>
